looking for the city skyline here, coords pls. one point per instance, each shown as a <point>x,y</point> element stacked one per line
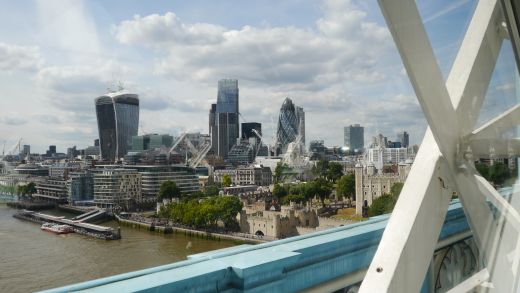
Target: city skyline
<point>157,51</point>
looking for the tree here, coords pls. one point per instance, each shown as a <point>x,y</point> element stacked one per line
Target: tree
<point>498,173</point>
<point>211,190</point>
<point>322,189</point>
<point>483,169</point>
<point>279,191</point>
<point>27,189</point>
<point>385,204</point>
<point>297,198</point>
<point>278,172</point>
<point>334,171</point>
<point>321,168</point>
<point>226,180</point>
<point>168,190</point>
<point>347,186</point>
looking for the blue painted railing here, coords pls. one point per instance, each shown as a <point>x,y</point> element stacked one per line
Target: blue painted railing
<point>288,265</point>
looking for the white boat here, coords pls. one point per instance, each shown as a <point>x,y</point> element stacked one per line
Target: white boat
<point>57,228</point>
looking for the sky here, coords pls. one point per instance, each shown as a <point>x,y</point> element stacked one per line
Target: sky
<point>336,59</point>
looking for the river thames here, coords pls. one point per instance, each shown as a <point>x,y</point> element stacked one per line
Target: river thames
<point>32,259</point>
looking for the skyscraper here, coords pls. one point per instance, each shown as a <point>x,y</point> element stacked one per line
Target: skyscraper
<point>354,137</point>
<point>118,120</point>
<point>404,138</point>
<point>247,129</point>
<point>223,118</point>
<point>291,123</point>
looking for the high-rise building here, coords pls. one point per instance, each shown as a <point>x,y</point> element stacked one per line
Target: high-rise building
<point>247,130</point>
<point>96,142</point>
<point>26,150</point>
<point>291,123</point>
<point>118,120</point>
<point>354,137</point>
<point>225,128</point>
<point>151,141</point>
<point>300,114</point>
<point>404,138</point>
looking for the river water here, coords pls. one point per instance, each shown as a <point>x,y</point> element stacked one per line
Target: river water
<point>32,259</point>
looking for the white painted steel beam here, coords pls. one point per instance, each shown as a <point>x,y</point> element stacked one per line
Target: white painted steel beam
<point>471,72</point>
<point>411,235</point>
<point>498,125</point>
<point>402,258</point>
<point>495,146</point>
<point>410,37</point>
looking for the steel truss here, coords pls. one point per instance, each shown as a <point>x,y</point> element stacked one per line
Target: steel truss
<point>444,164</point>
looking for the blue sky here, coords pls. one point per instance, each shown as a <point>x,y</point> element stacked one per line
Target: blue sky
<point>334,58</point>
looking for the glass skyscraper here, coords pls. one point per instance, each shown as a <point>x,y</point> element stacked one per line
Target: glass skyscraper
<point>291,123</point>
<point>354,137</point>
<point>118,120</point>
<point>223,118</point>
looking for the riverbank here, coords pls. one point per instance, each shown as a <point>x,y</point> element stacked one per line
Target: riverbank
<point>187,231</point>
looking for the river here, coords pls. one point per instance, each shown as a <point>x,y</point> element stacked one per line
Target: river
<point>32,260</point>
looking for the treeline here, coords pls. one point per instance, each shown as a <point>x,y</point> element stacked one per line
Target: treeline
<point>498,173</point>
<point>329,176</point>
<point>200,210</point>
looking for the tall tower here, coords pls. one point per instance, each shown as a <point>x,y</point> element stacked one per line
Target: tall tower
<point>118,120</point>
<point>225,128</point>
<point>404,138</point>
<point>291,123</point>
<point>354,137</point>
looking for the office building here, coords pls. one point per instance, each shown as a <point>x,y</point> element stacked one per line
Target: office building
<point>223,118</point>
<point>52,189</point>
<point>404,139</point>
<point>118,120</point>
<point>117,188</point>
<point>354,137</point>
<point>241,154</point>
<point>80,187</point>
<point>152,176</point>
<point>247,130</point>
<point>26,150</point>
<point>291,124</point>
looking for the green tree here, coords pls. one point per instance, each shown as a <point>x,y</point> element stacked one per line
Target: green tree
<point>483,169</point>
<point>279,191</point>
<point>498,173</point>
<point>226,180</point>
<point>380,205</point>
<point>322,189</point>
<point>385,204</point>
<point>297,198</point>
<point>321,168</point>
<point>334,171</point>
<point>211,190</point>
<point>279,172</point>
<point>347,186</point>
<point>168,190</point>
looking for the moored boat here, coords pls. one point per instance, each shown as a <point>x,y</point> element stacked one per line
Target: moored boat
<point>56,228</point>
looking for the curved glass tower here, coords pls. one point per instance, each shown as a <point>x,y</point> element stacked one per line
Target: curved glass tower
<point>118,120</point>
<point>291,123</point>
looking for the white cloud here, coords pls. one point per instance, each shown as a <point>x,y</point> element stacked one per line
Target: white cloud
<point>167,28</point>
<point>272,56</point>
<point>15,57</point>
